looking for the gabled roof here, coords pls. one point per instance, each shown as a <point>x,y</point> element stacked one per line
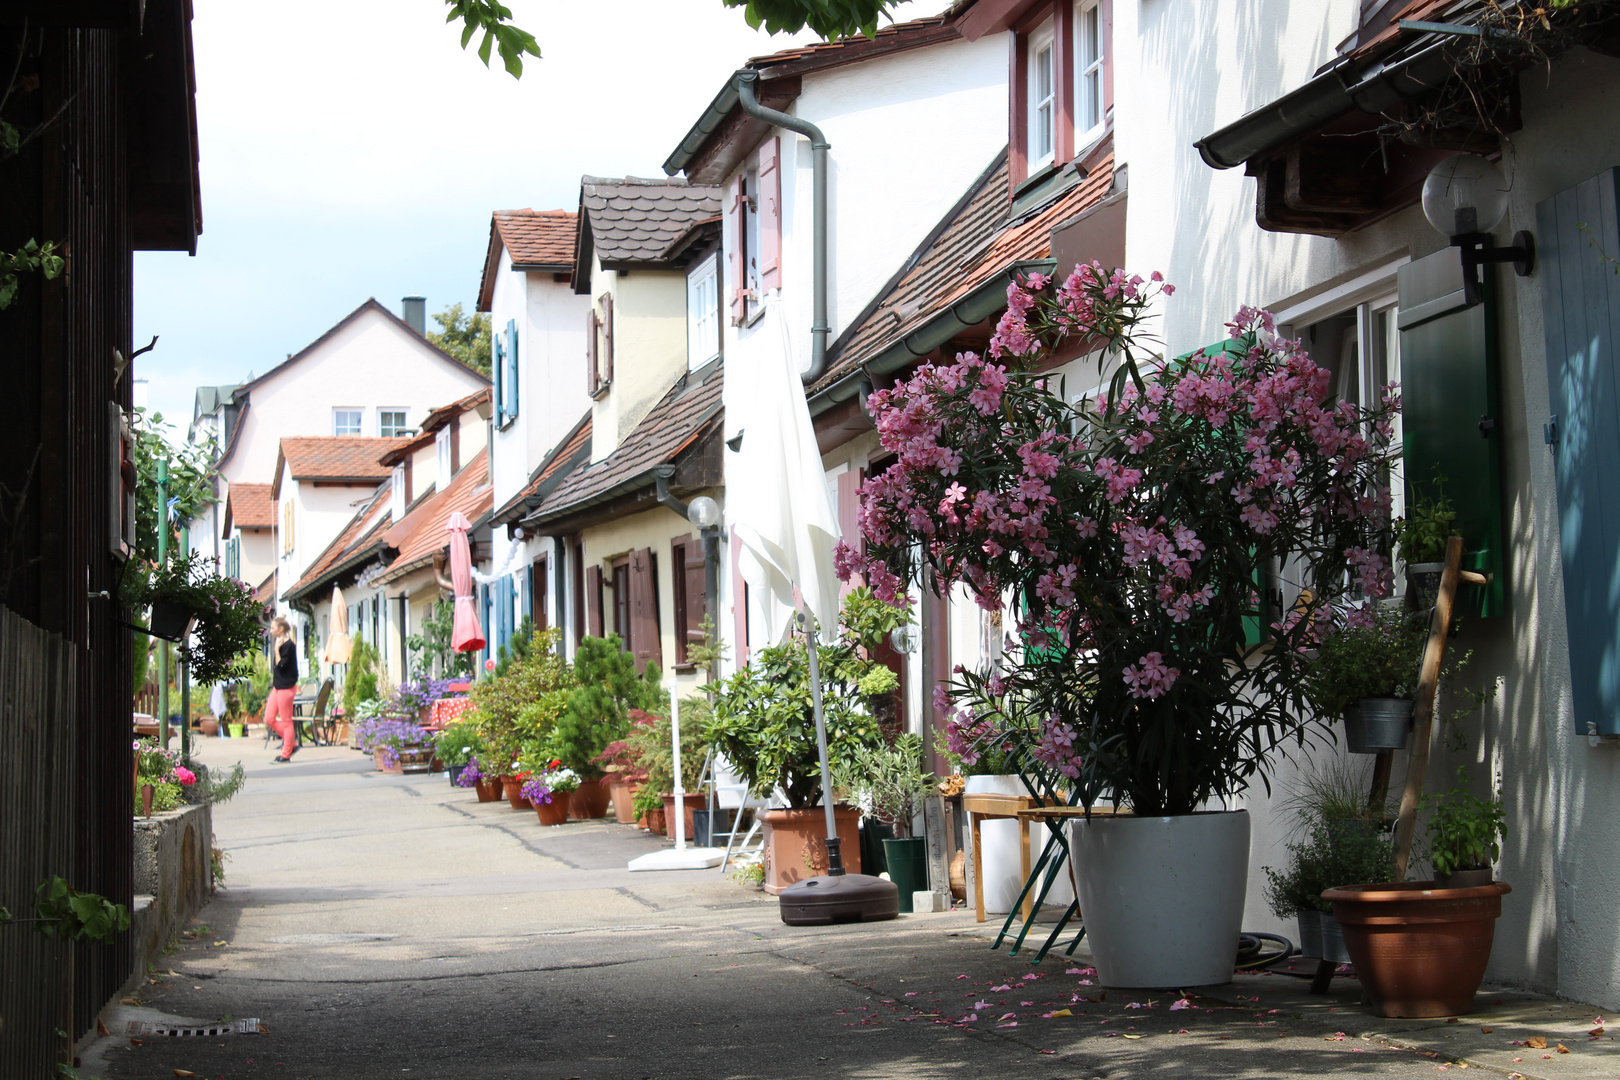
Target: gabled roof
<point>636,222</point>
<point>539,240</point>
<point>265,592</point>
<point>248,506</point>
<point>684,414</point>
<point>332,459</point>
<point>424,531</point>
<point>436,419</point>
<point>360,542</point>
<point>564,458</point>
<point>972,251</point>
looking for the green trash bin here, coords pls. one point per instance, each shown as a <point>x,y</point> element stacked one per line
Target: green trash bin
<point>908,866</point>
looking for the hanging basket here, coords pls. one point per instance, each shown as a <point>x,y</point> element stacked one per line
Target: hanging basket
<point>171,621</point>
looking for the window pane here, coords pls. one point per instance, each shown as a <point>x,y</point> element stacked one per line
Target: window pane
<point>347,421</point>
<point>390,423</point>
<point>1042,102</point>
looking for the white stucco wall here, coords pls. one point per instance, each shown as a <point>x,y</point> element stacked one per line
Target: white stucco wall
<point>649,348</point>
<point>370,364</point>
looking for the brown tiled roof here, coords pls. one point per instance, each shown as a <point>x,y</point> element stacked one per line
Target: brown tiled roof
<point>358,543</point>
<point>335,458</point>
<point>889,39</point>
<point>265,593</point>
<point>684,414</point>
<point>423,534</point>
<point>637,221</point>
<point>248,506</point>
<point>975,246</point>
<point>573,451</point>
<point>533,240</point>
<point>430,427</point>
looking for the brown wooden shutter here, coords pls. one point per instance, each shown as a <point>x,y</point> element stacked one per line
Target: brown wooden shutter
<point>849,518</point>
<point>539,589</point>
<point>607,337</point>
<point>695,588</point>
<point>407,484</point>
<point>581,604</point>
<point>592,381</point>
<point>769,198</point>
<point>455,446</point>
<point>593,600</point>
<point>735,236</point>
<point>644,641</point>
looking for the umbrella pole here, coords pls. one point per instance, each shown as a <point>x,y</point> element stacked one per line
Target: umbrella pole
<point>675,748</point>
<point>835,860</point>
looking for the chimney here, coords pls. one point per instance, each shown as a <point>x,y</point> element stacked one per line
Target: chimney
<point>413,309</point>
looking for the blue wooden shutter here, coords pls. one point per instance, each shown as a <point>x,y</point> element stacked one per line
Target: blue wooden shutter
<point>512,388</point>
<point>525,587</point>
<point>498,370</point>
<point>1451,419</point>
<point>1577,236</point>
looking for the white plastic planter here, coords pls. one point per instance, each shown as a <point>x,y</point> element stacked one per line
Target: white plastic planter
<point>1162,897</point>
<point>1003,880</point>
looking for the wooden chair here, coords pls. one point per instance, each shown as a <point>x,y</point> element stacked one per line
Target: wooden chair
<point>322,727</point>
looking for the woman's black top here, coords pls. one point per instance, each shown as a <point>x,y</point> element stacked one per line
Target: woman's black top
<point>284,672</point>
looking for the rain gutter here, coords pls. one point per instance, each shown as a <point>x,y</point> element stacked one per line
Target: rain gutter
<point>971,310</point>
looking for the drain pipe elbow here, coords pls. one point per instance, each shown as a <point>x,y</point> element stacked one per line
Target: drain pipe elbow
<point>661,476</point>
<point>820,330</point>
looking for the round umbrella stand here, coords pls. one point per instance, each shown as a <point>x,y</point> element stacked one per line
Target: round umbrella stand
<point>827,899</point>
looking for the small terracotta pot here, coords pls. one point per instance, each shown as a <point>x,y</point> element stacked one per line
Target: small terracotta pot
<point>514,793</point>
<point>622,797</point>
<point>488,790</point>
<point>653,821</point>
<point>1419,950</point>
<point>589,800</point>
<point>209,728</point>
<point>554,812</point>
<point>382,762</point>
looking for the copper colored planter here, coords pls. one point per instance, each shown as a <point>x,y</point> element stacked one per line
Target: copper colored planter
<point>513,786</point>
<point>554,812</point>
<point>488,790</point>
<point>1419,950</point>
<point>589,800</point>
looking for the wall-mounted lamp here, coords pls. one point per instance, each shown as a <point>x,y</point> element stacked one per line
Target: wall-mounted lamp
<point>903,639</point>
<point>703,512</point>
<point>1465,197</point>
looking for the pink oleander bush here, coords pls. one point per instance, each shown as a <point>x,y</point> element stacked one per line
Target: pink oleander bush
<point>1133,539</point>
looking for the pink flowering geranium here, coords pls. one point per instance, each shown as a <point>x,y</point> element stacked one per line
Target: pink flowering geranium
<point>184,775</point>
<point>1157,549</point>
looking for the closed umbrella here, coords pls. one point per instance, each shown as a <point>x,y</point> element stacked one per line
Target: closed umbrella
<point>466,635</point>
<point>338,646</point>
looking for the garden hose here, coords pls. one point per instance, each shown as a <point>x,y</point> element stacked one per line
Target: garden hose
<point>1252,952</point>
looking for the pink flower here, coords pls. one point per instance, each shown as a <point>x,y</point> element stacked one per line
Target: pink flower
<point>1149,677</point>
<point>489,665</point>
<point>184,775</point>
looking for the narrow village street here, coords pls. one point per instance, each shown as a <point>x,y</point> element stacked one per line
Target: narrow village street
<point>384,925</point>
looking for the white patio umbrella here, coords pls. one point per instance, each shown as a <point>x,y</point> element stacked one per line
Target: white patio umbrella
<point>338,646</point>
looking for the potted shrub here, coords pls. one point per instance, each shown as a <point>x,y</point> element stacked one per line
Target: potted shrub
<point>622,771</point>
<point>762,722</point>
<point>1136,534</point>
<point>1331,853</point>
<point>597,712</point>
<point>456,746</point>
<point>1367,671</point>
<point>1421,538</point>
<point>889,785</point>
<point>519,706</point>
<point>472,775</point>
<point>1421,947</point>
<point>646,753</point>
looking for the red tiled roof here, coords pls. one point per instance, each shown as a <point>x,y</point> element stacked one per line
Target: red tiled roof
<point>423,533</point>
<point>358,543</point>
<point>973,248</point>
<point>266,591</point>
<point>334,458</point>
<point>684,414</point>
<point>248,506</point>
<point>573,451</point>
<point>532,240</point>
<point>430,427</point>
<point>889,39</point>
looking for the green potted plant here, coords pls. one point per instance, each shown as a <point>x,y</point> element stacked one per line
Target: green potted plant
<point>217,618</point>
<point>519,706</point>
<point>647,754</point>
<point>890,786</point>
<point>456,745</point>
<point>763,724</point>
<point>1421,537</point>
<point>1421,947</point>
<point>1367,671</point>
<point>1135,532</point>
<point>606,689</point>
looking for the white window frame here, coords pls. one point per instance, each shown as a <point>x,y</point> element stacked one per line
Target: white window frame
<point>1089,74</point>
<point>441,448</point>
<point>753,304</point>
<point>397,493</point>
<point>404,422</point>
<point>703,312</point>
<point>359,414</point>
<point>1042,40</point>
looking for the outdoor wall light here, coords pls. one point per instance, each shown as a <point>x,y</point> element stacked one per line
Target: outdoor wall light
<point>703,512</point>
<point>903,639</point>
<point>1465,197</point>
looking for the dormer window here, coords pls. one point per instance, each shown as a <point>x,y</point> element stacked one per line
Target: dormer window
<point>441,447</point>
<point>1060,67</point>
<point>1042,97</point>
<point>1090,108</point>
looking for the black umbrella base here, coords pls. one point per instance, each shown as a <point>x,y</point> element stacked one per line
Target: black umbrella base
<point>822,900</point>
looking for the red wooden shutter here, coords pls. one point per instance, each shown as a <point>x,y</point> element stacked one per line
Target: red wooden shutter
<point>769,198</point>
<point>593,600</point>
<point>849,517</point>
<point>695,584</point>
<point>592,381</point>
<point>644,641</point>
<point>735,238</point>
<point>607,337</point>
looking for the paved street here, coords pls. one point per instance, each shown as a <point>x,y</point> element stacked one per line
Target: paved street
<point>393,926</point>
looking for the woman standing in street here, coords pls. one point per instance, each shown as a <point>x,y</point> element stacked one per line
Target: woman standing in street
<point>278,711</point>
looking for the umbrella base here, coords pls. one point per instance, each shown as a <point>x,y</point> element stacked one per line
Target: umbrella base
<point>821,900</point>
<point>692,858</point>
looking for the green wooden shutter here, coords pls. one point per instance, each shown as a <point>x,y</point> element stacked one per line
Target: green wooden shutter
<point>1577,238</point>
<point>511,369</point>
<point>1451,414</point>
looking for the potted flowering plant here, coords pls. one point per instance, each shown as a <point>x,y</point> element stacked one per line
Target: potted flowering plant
<point>456,746</point>
<point>548,792</point>
<point>229,623</point>
<point>160,771</point>
<point>1135,538</point>
<point>473,775</point>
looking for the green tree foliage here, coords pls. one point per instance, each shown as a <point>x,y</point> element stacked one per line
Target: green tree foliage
<point>431,654</point>
<point>191,471</point>
<point>598,709</point>
<point>517,707</point>
<point>495,21</point>
<point>832,19</point>
<point>360,684</point>
<point>465,337</point>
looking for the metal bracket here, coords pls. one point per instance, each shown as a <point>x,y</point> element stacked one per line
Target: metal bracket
<point>1550,433</point>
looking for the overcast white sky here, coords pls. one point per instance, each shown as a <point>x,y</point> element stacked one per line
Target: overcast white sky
<point>351,149</point>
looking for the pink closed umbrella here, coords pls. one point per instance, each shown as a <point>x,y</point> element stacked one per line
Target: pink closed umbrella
<point>466,635</point>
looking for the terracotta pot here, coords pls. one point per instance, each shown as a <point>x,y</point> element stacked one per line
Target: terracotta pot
<point>693,802</point>
<point>1419,950</point>
<point>514,793</point>
<point>209,727</point>
<point>488,790</point>
<point>416,759</point>
<point>622,797</point>
<point>554,812</point>
<point>382,762</point>
<point>436,765</point>
<point>589,800</point>
<point>653,821</point>
<point>796,844</point>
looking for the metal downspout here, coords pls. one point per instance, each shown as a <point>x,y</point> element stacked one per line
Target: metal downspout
<point>820,331</point>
